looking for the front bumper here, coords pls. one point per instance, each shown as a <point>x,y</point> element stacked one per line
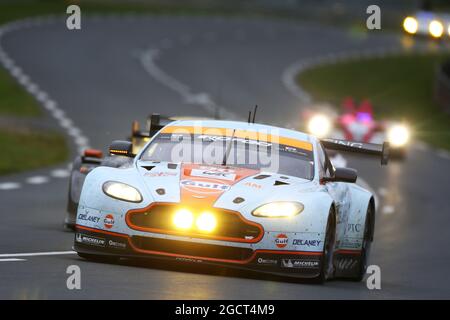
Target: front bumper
<point>303,264</point>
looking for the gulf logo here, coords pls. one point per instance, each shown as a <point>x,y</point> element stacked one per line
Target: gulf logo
<point>108,222</point>
<point>209,186</point>
<point>281,240</point>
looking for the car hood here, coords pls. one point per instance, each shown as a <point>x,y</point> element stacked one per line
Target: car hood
<point>218,186</point>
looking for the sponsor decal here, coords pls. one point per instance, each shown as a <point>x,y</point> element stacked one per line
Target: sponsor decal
<point>281,240</point>
<point>208,138</point>
<point>297,263</point>
<point>160,174</point>
<point>216,169</point>
<point>117,244</point>
<point>217,174</point>
<point>209,187</point>
<point>188,260</point>
<point>88,217</point>
<point>349,243</point>
<point>352,144</point>
<point>89,240</point>
<point>108,222</point>
<point>253,185</point>
<point>353,227</point>
<point>308,243</point>
<point>267,261</point>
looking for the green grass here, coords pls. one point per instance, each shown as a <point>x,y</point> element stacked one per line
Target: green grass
<point>14,100</point>
<point>13,9</point>
<point>400,87</point>
<point>25,150</point>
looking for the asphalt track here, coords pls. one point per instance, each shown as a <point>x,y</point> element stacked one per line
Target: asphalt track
<point>97,77</point>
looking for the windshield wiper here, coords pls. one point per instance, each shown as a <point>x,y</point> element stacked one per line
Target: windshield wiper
<point>228,149</point>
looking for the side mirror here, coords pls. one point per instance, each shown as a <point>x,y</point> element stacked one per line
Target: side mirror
<point>121,148</point>
<point>93,153</point>
<point>343,175</point>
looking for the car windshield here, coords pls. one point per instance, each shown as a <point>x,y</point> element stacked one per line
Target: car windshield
<point>232,151</point>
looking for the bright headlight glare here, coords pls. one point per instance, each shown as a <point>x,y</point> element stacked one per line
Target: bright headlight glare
<point>121,191</point>
<point>183,219</point>
<point>410,25</point>
<point>398,136</point>
<point>206,222</point>
<point>436,28</point>
<point>279,209</point>
<point>319,125</point>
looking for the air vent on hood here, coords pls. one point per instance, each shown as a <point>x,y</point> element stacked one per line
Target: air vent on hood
<point>261,176</point>
<point>172,165</point>
<point>148,168</point>
<point>238,200</point>
<point>160,191</point>
<point>280,183</point>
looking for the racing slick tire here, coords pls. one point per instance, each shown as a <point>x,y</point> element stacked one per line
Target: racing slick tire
<point>369,228</point>
<point>326,263</point>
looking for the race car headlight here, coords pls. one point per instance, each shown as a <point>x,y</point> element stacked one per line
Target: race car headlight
<point>410,25</point>
<point>121,191</point>
<point>398,136</point>
<point>436,28</point>
<point>206,222</point>
<point>279,209</point>
<point>319,125</point>
<point>183,219</point>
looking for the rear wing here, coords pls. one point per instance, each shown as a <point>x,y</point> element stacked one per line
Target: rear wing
<point>155,122</point>
<point>373,149</point>
<point>139,137</point>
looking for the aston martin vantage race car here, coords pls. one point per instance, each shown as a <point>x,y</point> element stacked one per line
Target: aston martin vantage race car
<point>235,194</point>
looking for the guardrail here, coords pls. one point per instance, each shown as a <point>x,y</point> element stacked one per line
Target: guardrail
<point>442,86</point>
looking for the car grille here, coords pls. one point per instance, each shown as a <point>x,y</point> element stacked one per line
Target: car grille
<point>231,226</point>
<point>199,250</point>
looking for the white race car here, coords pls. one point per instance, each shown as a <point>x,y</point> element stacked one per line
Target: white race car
<point>231,193</point>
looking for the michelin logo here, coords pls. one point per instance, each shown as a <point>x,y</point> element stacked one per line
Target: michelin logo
<point>295,263</point>
<point>92,241</point>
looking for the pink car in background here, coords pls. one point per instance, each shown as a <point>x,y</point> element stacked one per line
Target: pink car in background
<point>357,123</point>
